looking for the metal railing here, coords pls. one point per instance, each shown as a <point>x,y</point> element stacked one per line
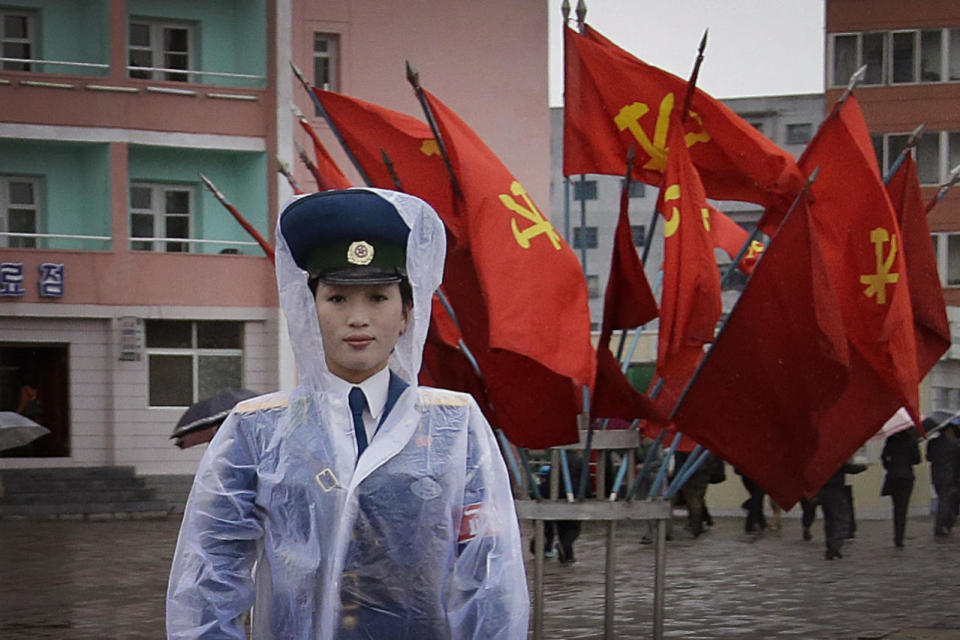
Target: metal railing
<point>106,67</point>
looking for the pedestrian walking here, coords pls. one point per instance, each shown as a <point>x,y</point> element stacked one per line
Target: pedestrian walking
<point>755,521</point>
<point>900,453</point>
<point>370,507</point>
<point>837,512</point>
<point>943,454</point>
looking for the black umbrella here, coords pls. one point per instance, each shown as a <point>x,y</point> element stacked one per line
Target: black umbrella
<point>200,422</point>
<point>937,420</point>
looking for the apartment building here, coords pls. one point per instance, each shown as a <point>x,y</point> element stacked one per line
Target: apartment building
<point>127,292</point>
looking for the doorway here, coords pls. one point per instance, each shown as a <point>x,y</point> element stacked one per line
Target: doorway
<point>34,381</point>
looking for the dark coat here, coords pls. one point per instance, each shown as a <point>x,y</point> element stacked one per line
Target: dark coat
<point>900,453</point>
<point>943,454</point>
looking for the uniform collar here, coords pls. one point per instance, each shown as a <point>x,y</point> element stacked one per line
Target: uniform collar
<point>374,388</point>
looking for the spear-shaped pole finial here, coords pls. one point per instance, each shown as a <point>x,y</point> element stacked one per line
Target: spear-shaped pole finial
<point>952,179</point>
<point>284,170</point>
<point>391,169</point>
<point>910,144</point>
<point>309,164</point>
<point>413,77</point>
<point>855,80</point>
<point>565,10</point>
<point>581,15</point>
<point>333,126</point>
<point>692,83</point>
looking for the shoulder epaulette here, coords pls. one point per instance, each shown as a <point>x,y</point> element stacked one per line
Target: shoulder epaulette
<point>429,395</point>
<point>264,402</point>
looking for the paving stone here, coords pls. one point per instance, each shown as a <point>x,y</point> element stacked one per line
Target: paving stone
<point>90,580</point>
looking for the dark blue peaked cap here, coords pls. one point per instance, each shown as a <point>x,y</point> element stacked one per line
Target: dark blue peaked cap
<point>349,236</point>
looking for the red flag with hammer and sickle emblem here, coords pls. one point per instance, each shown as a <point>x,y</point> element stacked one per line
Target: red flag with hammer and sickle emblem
<point>613,100</point>
<point>856,226</point>
<point>532,283</point>
<point>926,294</point>
<point>780,360</point>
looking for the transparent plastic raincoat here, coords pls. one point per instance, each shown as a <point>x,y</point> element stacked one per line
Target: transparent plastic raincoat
<point>419,540</point>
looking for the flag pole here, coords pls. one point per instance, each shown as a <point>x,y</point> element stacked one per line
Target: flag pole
<point>267,249</point>
<point>308,163</point>
<point>911,143</point>
<point>330,123</point>
<point>756,231</point>
<point>284,170</point>
<point>952,179</point>
<point>388,163</point>
<point>413,77</point>
<point>692,82</point>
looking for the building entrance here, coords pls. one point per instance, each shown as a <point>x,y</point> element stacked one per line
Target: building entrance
<point>34,382</point>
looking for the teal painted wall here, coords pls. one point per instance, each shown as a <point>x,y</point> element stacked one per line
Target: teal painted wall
<point>240,176</point>
<point>74,31</point>
<point>232,33</point>
<point>74,188</point>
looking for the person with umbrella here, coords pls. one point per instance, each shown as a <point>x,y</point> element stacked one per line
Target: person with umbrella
<point>370,507</point>
<point>900,453</point>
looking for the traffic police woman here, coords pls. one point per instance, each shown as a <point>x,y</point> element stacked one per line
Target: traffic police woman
<point>358,505</point>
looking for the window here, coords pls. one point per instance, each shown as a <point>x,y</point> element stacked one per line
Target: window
<point>756,124</point>
<point>189,361</point>
<point>799,133</point>
<point>936,153</point>
<point>637,189</point>
<point>593,286</point>
<point>585,190</point>
<point>953,260</point>
<point>326,61</point>
<point>18,210</point>
<point>945,398</point>
<point>897,57</point>
<point>17,39</point>
<point>163,212</point>
<point>639,232</point>
<point>591,236</point>
<point>158,50</point>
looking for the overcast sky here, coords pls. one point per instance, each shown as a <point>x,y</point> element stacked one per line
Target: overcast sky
<point>755,47</point>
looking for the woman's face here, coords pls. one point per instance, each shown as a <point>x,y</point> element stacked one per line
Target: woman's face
<point>360,326</point>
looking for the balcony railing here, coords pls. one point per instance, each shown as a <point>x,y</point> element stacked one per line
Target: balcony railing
<point>80,241</point>
<point>102,69</point>
<point>162,242</point>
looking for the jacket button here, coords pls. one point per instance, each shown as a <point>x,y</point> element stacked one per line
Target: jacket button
<point>349,622</point>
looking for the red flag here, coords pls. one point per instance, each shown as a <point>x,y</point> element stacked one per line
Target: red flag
<point>613,100</point>
<point>858,230</point>
<point>328,174</point>
<point>628,303</point>
<point>690,303</point>
<point>926,295</point>
<point>730,237</point>
<point>369,130</point>
<point>532,283</point>
<point>779,361</point>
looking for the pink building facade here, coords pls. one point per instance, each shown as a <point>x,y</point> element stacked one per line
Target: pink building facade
<point>126,291</point>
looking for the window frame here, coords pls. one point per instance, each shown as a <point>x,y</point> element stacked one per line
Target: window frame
<point>32,17</point>
<point>6,207</point>
<point>195,352</point>
<point>162,243</point>
<point>944,48</point>
<point>796,126</point>
<point>158,53</point>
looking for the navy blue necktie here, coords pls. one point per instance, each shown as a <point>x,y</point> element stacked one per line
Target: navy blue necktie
<point>357,402</point>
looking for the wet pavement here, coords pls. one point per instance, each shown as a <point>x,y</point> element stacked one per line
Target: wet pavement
<point>99,580</point>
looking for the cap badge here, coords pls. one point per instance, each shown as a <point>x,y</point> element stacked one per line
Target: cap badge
<point>360,252</point>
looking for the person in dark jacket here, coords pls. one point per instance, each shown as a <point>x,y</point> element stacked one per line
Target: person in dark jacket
<point>943,453</point>
<point>837,519</point>
<point>900,453</point>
